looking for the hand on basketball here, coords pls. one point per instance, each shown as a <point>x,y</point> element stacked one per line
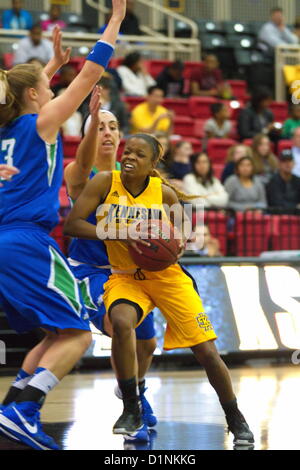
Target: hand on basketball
<point>135,242</point>
<point>61,57</point>
<point>7,171</point>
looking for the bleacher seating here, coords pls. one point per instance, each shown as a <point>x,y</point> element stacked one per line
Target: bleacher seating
<point>280,110</point>
<point>184,125</point>
<point>71,144</point>
<point>217,149</point>
<point>284,145</point>
<point>217,222</point>
<point>252,231</point>
<point>285,232</point>
<point>199,107</point>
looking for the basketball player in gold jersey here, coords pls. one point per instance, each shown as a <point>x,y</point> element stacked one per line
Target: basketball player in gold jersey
<point>130,294</point>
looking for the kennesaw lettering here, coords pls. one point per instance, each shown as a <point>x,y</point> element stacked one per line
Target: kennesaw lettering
<point>131,213</point>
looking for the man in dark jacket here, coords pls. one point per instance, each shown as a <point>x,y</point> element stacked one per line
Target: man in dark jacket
<point>131,23</point>
<point>257,118</point>
<point>283,191</point>
<point>171,80</point>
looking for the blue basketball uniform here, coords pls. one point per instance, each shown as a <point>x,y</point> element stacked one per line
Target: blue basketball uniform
<point>91,279</point>
<point>37,286</point>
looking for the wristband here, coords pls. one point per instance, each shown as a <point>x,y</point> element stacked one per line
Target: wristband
<point>101,53</point>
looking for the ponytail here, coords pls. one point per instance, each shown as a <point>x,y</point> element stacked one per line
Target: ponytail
<point>12,86</point>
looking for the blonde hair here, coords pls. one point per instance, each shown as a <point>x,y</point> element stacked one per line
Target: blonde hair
<point>258,159</point>
<point>231,150</point>
<point>12,86</point>
<point>158,153</point>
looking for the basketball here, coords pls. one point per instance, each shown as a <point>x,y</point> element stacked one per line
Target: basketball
<point>163,250</point>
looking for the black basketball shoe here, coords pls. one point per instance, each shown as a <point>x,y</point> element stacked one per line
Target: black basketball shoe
<point>240,429</point>
<point>130,420</point>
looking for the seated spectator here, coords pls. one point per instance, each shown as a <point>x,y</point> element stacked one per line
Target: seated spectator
<point>180,164</point>
<point>265,162</point>
<point>219,125</point>
<point>283,191</point>
<point>131,23</point>
<point>110,101</point>
<point>34,45</point>
<point>203,243</point>
<point>297,28</point>
<point>66,76</point>
<point>54,13</point>
<point>201,181</point>
<point>235,153</point>
<point>296,151</point>
<point>245,190</point>
<point>257,118</point>
<point>151,116</point>
<point>135,78</point>
<point>292,123</point>
<point>171,80</point>
<point>275,33</point>
<point>208,80</point>
<point>16,18</point>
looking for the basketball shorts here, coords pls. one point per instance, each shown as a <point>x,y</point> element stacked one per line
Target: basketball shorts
<point>37,286</point>
<point>91,281</point>
<point>174,293</point>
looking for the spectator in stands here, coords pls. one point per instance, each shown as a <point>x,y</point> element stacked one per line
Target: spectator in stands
<point>257,118</point>
<point>292,123</point>
<point>204,244</point>
<point>110,101</point>
<point>131,23</point>
<point>54,19</point>
<point>16,18</point>
<point>208,80</point>
<point>297,28</point>
<point>246,192</point>
<point>219,125</point>
<point>265,162</point>
<point>66,76</point>
<point>296,151</point>
<point>151,116</point>
<point>180,163</point>
<point>201,181</point>
<point>275,33</point>
<point>171,80</point>
<point>135,78</point>
<point>235,153</point>
<point>283,191</point>
<point>34,45</point>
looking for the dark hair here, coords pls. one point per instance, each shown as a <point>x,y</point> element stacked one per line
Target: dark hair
<point>259,95</point>
<point>276,9</point>
<point>131,59</point>
<point>177,65</point>
<point>35,26</point>
<point>152,88</point>
<point>205,180</point>
<point>216,108</point>
<point>105,82</point>
<point>243,159</point>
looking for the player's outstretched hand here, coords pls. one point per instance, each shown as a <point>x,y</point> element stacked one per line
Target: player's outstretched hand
<point>95,104</point>
<point>61,57</point>
<point>7,171</point>
<point>119,9</point>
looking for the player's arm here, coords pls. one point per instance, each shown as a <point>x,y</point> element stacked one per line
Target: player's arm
<point>77,172</point>
<point>89,200</point>
<point>60,57</point>
<point>7,171</point>
<point>57,111</point>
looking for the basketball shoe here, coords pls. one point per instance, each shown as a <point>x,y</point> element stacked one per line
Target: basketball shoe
<point>240,429</point>
<point>21,421</point>
<point>147,413</point>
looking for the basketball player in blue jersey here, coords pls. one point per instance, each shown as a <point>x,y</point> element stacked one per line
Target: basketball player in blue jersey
<point>89,260</point>
<point>37,287</point>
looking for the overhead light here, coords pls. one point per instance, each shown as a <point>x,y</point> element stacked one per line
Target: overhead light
<point>239,28</point>
<point>246,43</point>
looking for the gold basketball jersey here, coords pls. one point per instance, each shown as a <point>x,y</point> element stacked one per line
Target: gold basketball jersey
<point>120,210</point>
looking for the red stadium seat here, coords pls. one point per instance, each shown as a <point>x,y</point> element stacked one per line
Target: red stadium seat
<point>217,222</point>
<point>70,146</point>
<point>156,66</point>
<point>284,145</point>
<point>59,237</point>
<point>183,126</point>
<point>178,105</point>
<point>234,132</point>
<point>115,62</point>
<point>133,101</point>
<point>239,89</point>
<point>217,149</point>
<point>280,110</point>
<point>218,169</point>
<point>8,60</point>
<point>253,231</point>
<point>285,232</point>
<point>121,149</point>
<point>63,198</point>
<point>199,107</point>
<point>77,63</point>
<point>190,67</point>
<point>199,128</point>
<point>196,143</point>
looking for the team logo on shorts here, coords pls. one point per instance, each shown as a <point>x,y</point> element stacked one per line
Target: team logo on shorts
<point>203,322</point>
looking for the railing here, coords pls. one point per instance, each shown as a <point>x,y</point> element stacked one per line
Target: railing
<point>284,55</point>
